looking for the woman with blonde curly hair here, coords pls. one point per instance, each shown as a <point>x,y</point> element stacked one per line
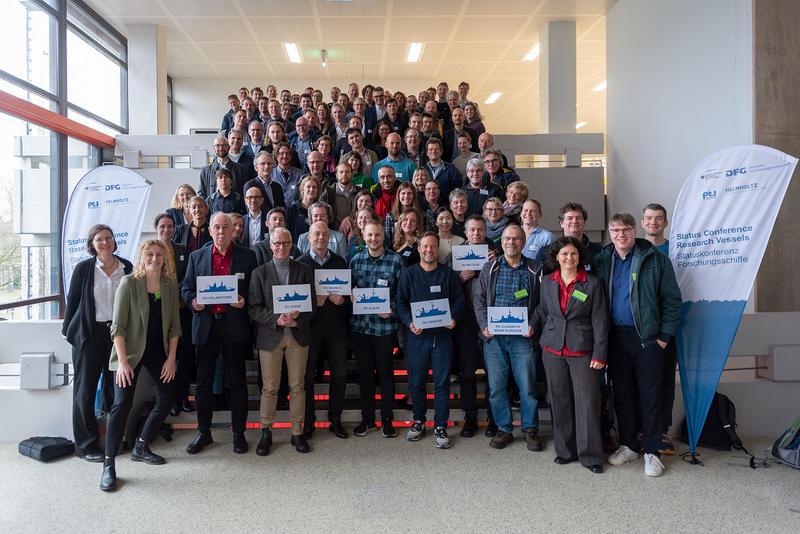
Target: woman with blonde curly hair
<point>145,330</point>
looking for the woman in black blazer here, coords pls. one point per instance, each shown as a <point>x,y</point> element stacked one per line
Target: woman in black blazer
<point>572,318</point>
<point>179,211</point>
<point>194,236</point>
<point>87,327</point>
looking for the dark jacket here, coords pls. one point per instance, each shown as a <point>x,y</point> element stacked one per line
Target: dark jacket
<point>503,178</point>
<point>275,188</point>
<point>476,198</point>
<point>449,143</point>
<point>182,233</point>
<point>208,182</point>
<point>268,333</point>
<point>176,214</point>
<point>264,252</point>
<point>181,259</point>
<point>449,178</point>
<point>594,249</point>
<point>329,315</point>
<point>483,290</point>
<point>655,296</point>
<point>415,286</point>
<point>584,326</point>
<point>263,229</point>
<point>243,261</point>
<point>79,317</point>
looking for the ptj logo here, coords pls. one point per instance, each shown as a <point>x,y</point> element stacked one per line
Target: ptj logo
<point>707,195</point>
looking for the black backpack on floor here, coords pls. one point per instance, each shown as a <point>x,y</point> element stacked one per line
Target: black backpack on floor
<point>719,430</point>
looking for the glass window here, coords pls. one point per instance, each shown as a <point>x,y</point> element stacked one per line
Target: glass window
<point>85,21</point>
<point>91,123</point>
<point>94,81</point>
<point>29,263</point>
<point>29,44</point>
<point>31,97</point>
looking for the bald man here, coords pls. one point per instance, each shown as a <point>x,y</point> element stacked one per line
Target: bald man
<point>403,167</point>
<point>208,181</point>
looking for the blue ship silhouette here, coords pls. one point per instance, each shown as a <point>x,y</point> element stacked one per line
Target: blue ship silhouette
<point>364,299</point>
<point>335,282</point>
<point>433,312</point>
<point>292,298</point>
<point>471,255</point>
<point>508,319</point>
<point>217,287</point>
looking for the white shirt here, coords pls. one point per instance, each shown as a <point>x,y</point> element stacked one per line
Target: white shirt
<point>105,287</point>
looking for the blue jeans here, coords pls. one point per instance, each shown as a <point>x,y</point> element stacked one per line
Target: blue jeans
<point>434,353</point>
<point>511,353</point>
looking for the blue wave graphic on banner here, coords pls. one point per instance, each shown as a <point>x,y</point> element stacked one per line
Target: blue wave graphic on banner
<point>703,342</point>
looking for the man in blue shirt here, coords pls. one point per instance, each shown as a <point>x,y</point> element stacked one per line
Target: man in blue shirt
<point>403,167</point>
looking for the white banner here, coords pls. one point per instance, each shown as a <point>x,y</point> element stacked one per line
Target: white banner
<point>109,195</point>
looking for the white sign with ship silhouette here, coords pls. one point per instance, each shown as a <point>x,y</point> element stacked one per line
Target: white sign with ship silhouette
<point>332,281</point>
<point>507,320</point>
<point>370,300</point>
<point>469,257</point>
<point>217,289</point>
<point>290,298</point>
<point>431,313</point>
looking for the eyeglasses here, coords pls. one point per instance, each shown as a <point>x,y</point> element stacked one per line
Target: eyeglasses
<point>618,231</point>
<point>252,197</point>
<point>282,243</point>
<point>491,161</point>
<point>492,209</point>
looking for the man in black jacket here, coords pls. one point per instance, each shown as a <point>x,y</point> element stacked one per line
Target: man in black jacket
<point>429,348</point>
<point>220,329</point>
<point>329,329</point>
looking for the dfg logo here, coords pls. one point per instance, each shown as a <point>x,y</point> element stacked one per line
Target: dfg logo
<point>112,187</point>
<point>709,194</point>
<point>735,172</point>
<point>93,205</point>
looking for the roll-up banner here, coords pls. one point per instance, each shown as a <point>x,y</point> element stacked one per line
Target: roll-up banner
<point>722,222</point>
<point>110,195</point>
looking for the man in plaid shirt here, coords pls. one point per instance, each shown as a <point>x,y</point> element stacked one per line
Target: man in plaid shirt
<point>373,334</point>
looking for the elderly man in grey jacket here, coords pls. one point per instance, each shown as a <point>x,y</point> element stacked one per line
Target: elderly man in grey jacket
<point>279,336</point>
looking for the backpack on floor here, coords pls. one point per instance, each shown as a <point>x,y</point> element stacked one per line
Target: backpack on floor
<point>45,449</point>
<point>719,430</point>
<point>786,449</point>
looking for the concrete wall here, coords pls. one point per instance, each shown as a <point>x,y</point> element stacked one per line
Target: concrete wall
<point>679,87</point>
<point>776,55</point>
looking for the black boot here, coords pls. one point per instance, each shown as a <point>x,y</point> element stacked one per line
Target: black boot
<point>108,482</point>
<point>142,453</point>
<point>265,443</point>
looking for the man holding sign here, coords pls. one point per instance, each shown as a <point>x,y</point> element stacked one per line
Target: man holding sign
<point>429,303</point>
<point>282,334</point>
<point>510,282</point>
<point>329,329</point>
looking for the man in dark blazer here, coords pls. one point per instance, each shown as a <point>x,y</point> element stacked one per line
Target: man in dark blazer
<point>281,336</point>
<point>270,189</point>
<point>450,137</point>
<point>276,218</point>
<point>220,329</point>
<point>208,180</point>
<point>255,229</point>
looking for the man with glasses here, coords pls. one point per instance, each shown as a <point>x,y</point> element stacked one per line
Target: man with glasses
<point>285,174</point>
<point>208,174</point>
<point>496,174</point>
<point>478,188</point>
<point>645,303</point>
<point>510,280</point>
<point>375,112</point>
<point>271,192</point>
<point>255,220</point>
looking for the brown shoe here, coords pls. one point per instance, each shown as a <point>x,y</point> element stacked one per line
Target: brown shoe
<point>532,439</point>
<point>501,440</point>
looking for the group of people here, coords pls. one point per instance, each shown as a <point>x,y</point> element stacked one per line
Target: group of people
<point>273,212</point>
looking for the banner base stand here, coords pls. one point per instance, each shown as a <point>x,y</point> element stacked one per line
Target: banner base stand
<point>691,458</point>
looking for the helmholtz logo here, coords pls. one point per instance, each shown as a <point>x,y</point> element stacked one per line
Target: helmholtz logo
<point>708,195</point>
<point>730,173</point>
<point>93,204</point>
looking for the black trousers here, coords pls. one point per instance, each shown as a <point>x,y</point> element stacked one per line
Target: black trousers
<point>88,364</point>
<point>374,353</point>
<point>331,341</point>
<point>187,360</point>
<point>468,351</point>
<point>668,385</point>
<point>233,356</point>
<point>636,374</point>
<point>123,399</point>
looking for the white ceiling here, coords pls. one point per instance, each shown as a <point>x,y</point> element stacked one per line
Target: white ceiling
<point>479,41</point>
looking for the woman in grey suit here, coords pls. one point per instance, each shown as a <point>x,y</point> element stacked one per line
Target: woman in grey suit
<point>572,318</point>
<point>145,330</point>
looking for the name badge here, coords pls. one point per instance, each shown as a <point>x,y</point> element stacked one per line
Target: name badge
<point>484,191</point>
<point>407,253</point>
<point>306,151</point>
<point>294,187</point>
<point>382,282</point>
<point>580,295</point>
<point>633,276</point>
<point>398,174</point>
<point>436,289</point>
<point>181,257</point>
<point>240,276</point>
<point>521,294</point>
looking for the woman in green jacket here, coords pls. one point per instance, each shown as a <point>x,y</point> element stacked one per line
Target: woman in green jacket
<point>145,331</point>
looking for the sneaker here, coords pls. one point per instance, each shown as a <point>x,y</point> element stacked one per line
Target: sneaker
<point>653,466</point>
<point>363,427</point>
<point>441,438</point>
<point>388,429</point>
<point>532,439</point>
<point>666,446</point>
<point>416,431</point>
<point>622,456</point>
